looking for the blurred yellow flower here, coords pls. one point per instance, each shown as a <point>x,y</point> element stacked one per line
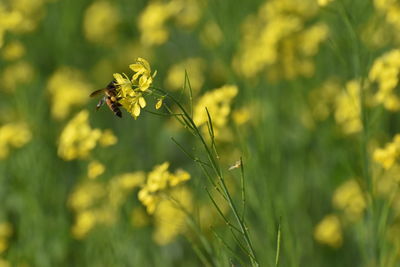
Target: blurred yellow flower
<point>324,2</point>
<point>329,231</point>
<point>159,180</point>
<point>108,138</point>
<point>388,155</point>
<point>349,198</point>
<point>218,103</point>
<point>4,263</point>
<point>195,68</point>
<point>13,135</point>
<point>385,72</point>
<point>67,88</point>
<point>277,39</point>
<point>17,74</point>
<point>348,109</point>
<point>84,222</point>
<point>152,22</point>
<point>211,35</point>
<point>13,51</point>
<point>78,138</point>
<point>170,216</point>
<point>97,203</point>
<point>100,22</point>
<point>95,169</point>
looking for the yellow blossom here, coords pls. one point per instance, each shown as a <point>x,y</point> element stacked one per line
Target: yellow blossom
<point>17,74</point>
<point>329,231</point>
<point>194,67</point>
<point>95,169</point>
<point>13,135</point>
<point>160,180</point>
<point>170,216</point>
<point>152,22</point>
<point>12,51</point>
<point>131,92</point>
<point>349,198</point>
<point>281,39</point>
<point>385,73</point>
<point>100,22</point>
<point>347,108</point>
<point>159,103</point>
<point>67,88</point>
<point>78,138</point>
<point>324,2</point>
<point>108,138</point>
<point>84,222</point>
<point>218,104</point>
<point>388,156</point>
<point>211,35</point>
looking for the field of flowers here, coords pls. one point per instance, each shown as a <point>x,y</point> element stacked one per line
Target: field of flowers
<point>229,133</point>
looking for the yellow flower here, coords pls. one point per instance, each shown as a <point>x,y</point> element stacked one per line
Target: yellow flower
<point>349,198</point>
<point>17,74</point>
<point>159,180</point>
<point>131,92</point>
<point>329,231</point>
<point>195,68</point>
<point>14,50</point>
<point>95,169</point>
<point>78,138</point>
<point>141,67</point>
<point>108,138</point>
<point>281,39</point>
<point>84,222</point>
<point>100,22</point>
<point>388,156</point>
<point>13,135</point>
<point>68,88</point>
<point>348,109</point>
<point>170,219</point>
<point>384,73</point>
<point>159,103</point>
<point>218,103</point>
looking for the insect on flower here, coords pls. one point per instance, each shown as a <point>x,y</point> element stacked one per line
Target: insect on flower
<point>110,98</point>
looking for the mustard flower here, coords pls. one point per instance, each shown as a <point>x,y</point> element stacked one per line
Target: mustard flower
<point>78,138</point>
<point>349,198</point>
<point>329,231</point>
<point>131,92</point>
<point>13,135</point>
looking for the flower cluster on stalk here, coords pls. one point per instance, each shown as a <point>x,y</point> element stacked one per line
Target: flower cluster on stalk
<point>131,91</point>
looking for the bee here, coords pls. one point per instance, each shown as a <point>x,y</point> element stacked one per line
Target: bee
<point>110,98</point>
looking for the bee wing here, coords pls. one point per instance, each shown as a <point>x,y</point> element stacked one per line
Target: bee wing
<point>97,92</point>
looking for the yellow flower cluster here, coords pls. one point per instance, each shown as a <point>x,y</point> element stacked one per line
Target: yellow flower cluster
<point>78,138</point>
<point>16,74</point>
<point>322,99</point>
<point>349,198</point>
<point>387,156</point>
<point>95,169</point>
<point>218,102</point>
<point>152,21</point>
<point>100,22</point>
<point>6,231</point>
<point>67,88</point>
<point>348,109</point>
<point>391,10</point>
<point>176,74</point>
<point>167,202</point>
<point>329,231</point>
<point>13,135</point>
<point>170,217</point>
<point>159,180</point>
<point>20,16</point>
<point>277,40</point>
<point>131,91</point>
<point>95,202</point>
<point>13,51</point>
<point>385,72</point>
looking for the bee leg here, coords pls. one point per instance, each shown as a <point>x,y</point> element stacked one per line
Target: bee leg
<point>101,102</point>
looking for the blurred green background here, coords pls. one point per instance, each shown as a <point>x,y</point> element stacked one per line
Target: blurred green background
<point>312,111</point>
